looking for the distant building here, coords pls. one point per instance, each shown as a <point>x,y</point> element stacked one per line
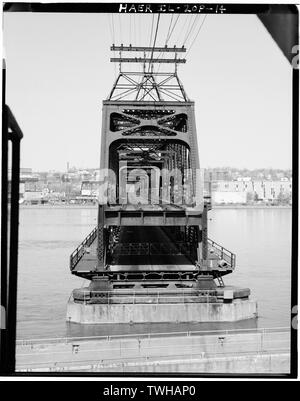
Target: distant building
<point>229,197</point>
<point>242,191</point>
<point>246,179</point>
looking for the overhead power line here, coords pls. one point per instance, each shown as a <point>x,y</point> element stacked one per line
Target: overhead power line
<point>113,27</point>
<point>172,29</point>
<point>191,29</point>
<point>201,25</point>
<point>182,29</point>
<point>151,30</point>
<point>190,19</point>
<point>169,30</point>
<point>169,34</point>
<point>154,42</point>
<point>120,23</point>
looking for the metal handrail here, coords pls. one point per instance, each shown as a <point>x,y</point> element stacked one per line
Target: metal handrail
<point>151,248</point>
<point>81,249</point>
<point>153,335</point>
<point>95,364</point>
<point>223,253</point>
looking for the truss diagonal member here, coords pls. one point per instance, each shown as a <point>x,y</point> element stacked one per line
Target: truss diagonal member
<point>114,86</point>
<point>172,96</point>
<point>130,79</point>
<point>152,87</point>
<point>148,92</point>
<point>181,87</point>
<point>178,86</point>
<point>124,94</point>
<point>139,87</point>
<point>166,80</point>
<point>126,130</point>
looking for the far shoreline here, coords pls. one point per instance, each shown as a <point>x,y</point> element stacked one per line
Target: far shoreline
<point>252,207</point>
<point>72,206</point>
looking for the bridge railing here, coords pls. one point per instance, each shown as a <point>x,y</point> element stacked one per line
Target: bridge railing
<point>223,253</point>
<point>81,249</point>
<point>152,248</point>
<point>127,297</point>
<point>263,331</point>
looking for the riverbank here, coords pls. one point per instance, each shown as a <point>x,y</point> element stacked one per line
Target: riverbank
<point>252,207</point>
<point>258,351</point>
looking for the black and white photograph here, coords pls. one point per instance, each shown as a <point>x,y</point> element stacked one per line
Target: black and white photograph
<point>149,191</point>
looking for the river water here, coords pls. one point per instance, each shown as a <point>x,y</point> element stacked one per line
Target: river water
<point>261,239</point>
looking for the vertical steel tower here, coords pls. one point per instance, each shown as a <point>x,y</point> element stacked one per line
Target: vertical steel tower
<point>151,239</point>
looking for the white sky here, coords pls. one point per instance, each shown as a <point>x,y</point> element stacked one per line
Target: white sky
<point>58,73</point>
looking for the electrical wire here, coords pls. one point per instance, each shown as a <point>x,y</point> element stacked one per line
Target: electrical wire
<point>182,29</point>
<point>201,25</point>
<point>151,30</point>
<point>130,17</point>
<point>191,29</point>
<point>120,29</point>
<point>169,34</point>
<point>173,29</point>
<point>113,27</point>
<point>169,29</point>
<point>113,37</point>
<point>154,42</point>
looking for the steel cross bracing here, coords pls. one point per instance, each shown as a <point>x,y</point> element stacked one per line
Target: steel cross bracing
<point>144,86</point>
<point>148,85</point>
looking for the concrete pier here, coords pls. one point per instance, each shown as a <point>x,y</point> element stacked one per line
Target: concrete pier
<point>237,309</point>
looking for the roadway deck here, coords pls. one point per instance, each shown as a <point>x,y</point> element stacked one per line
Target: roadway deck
<point>149,262</point>
<point>88,262</point>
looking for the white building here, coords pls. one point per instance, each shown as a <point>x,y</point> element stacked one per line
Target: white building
<point>232,197</point>
<point>238,191</point>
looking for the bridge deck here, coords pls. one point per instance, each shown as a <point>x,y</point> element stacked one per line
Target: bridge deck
<point>88,262</point>
<point>146,249</point>
<point>149,262</point>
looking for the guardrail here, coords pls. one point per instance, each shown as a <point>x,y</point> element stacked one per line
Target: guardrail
<point>192,354</point>
<point>152,248</point>
<point>223,253</point>
<point>224,332</point>
<point>109,297</point>
<point>81,249</point>
<point>96,355</point>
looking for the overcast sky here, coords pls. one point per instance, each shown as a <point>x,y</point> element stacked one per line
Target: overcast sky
<point>58,73</point>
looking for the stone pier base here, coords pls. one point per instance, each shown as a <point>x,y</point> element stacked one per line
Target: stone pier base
<point>238,309</point>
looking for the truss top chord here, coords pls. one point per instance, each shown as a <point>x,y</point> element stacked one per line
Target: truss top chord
<point>148,49</point>
<point>147,60</point>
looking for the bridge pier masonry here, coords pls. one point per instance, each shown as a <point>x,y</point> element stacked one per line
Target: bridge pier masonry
<point>150,260</point>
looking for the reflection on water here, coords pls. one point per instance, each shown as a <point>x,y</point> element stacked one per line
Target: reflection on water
<point>261,239</point>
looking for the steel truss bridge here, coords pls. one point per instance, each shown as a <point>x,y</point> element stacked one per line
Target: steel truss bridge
<point>152,217</point>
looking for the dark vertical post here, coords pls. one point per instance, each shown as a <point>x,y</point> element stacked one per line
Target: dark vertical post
<point>4,225</point>
<point>295,222</point>
<point>13,253</point>
<point>204,232</point>
<point>101,238</point>
<point>198,241</point>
